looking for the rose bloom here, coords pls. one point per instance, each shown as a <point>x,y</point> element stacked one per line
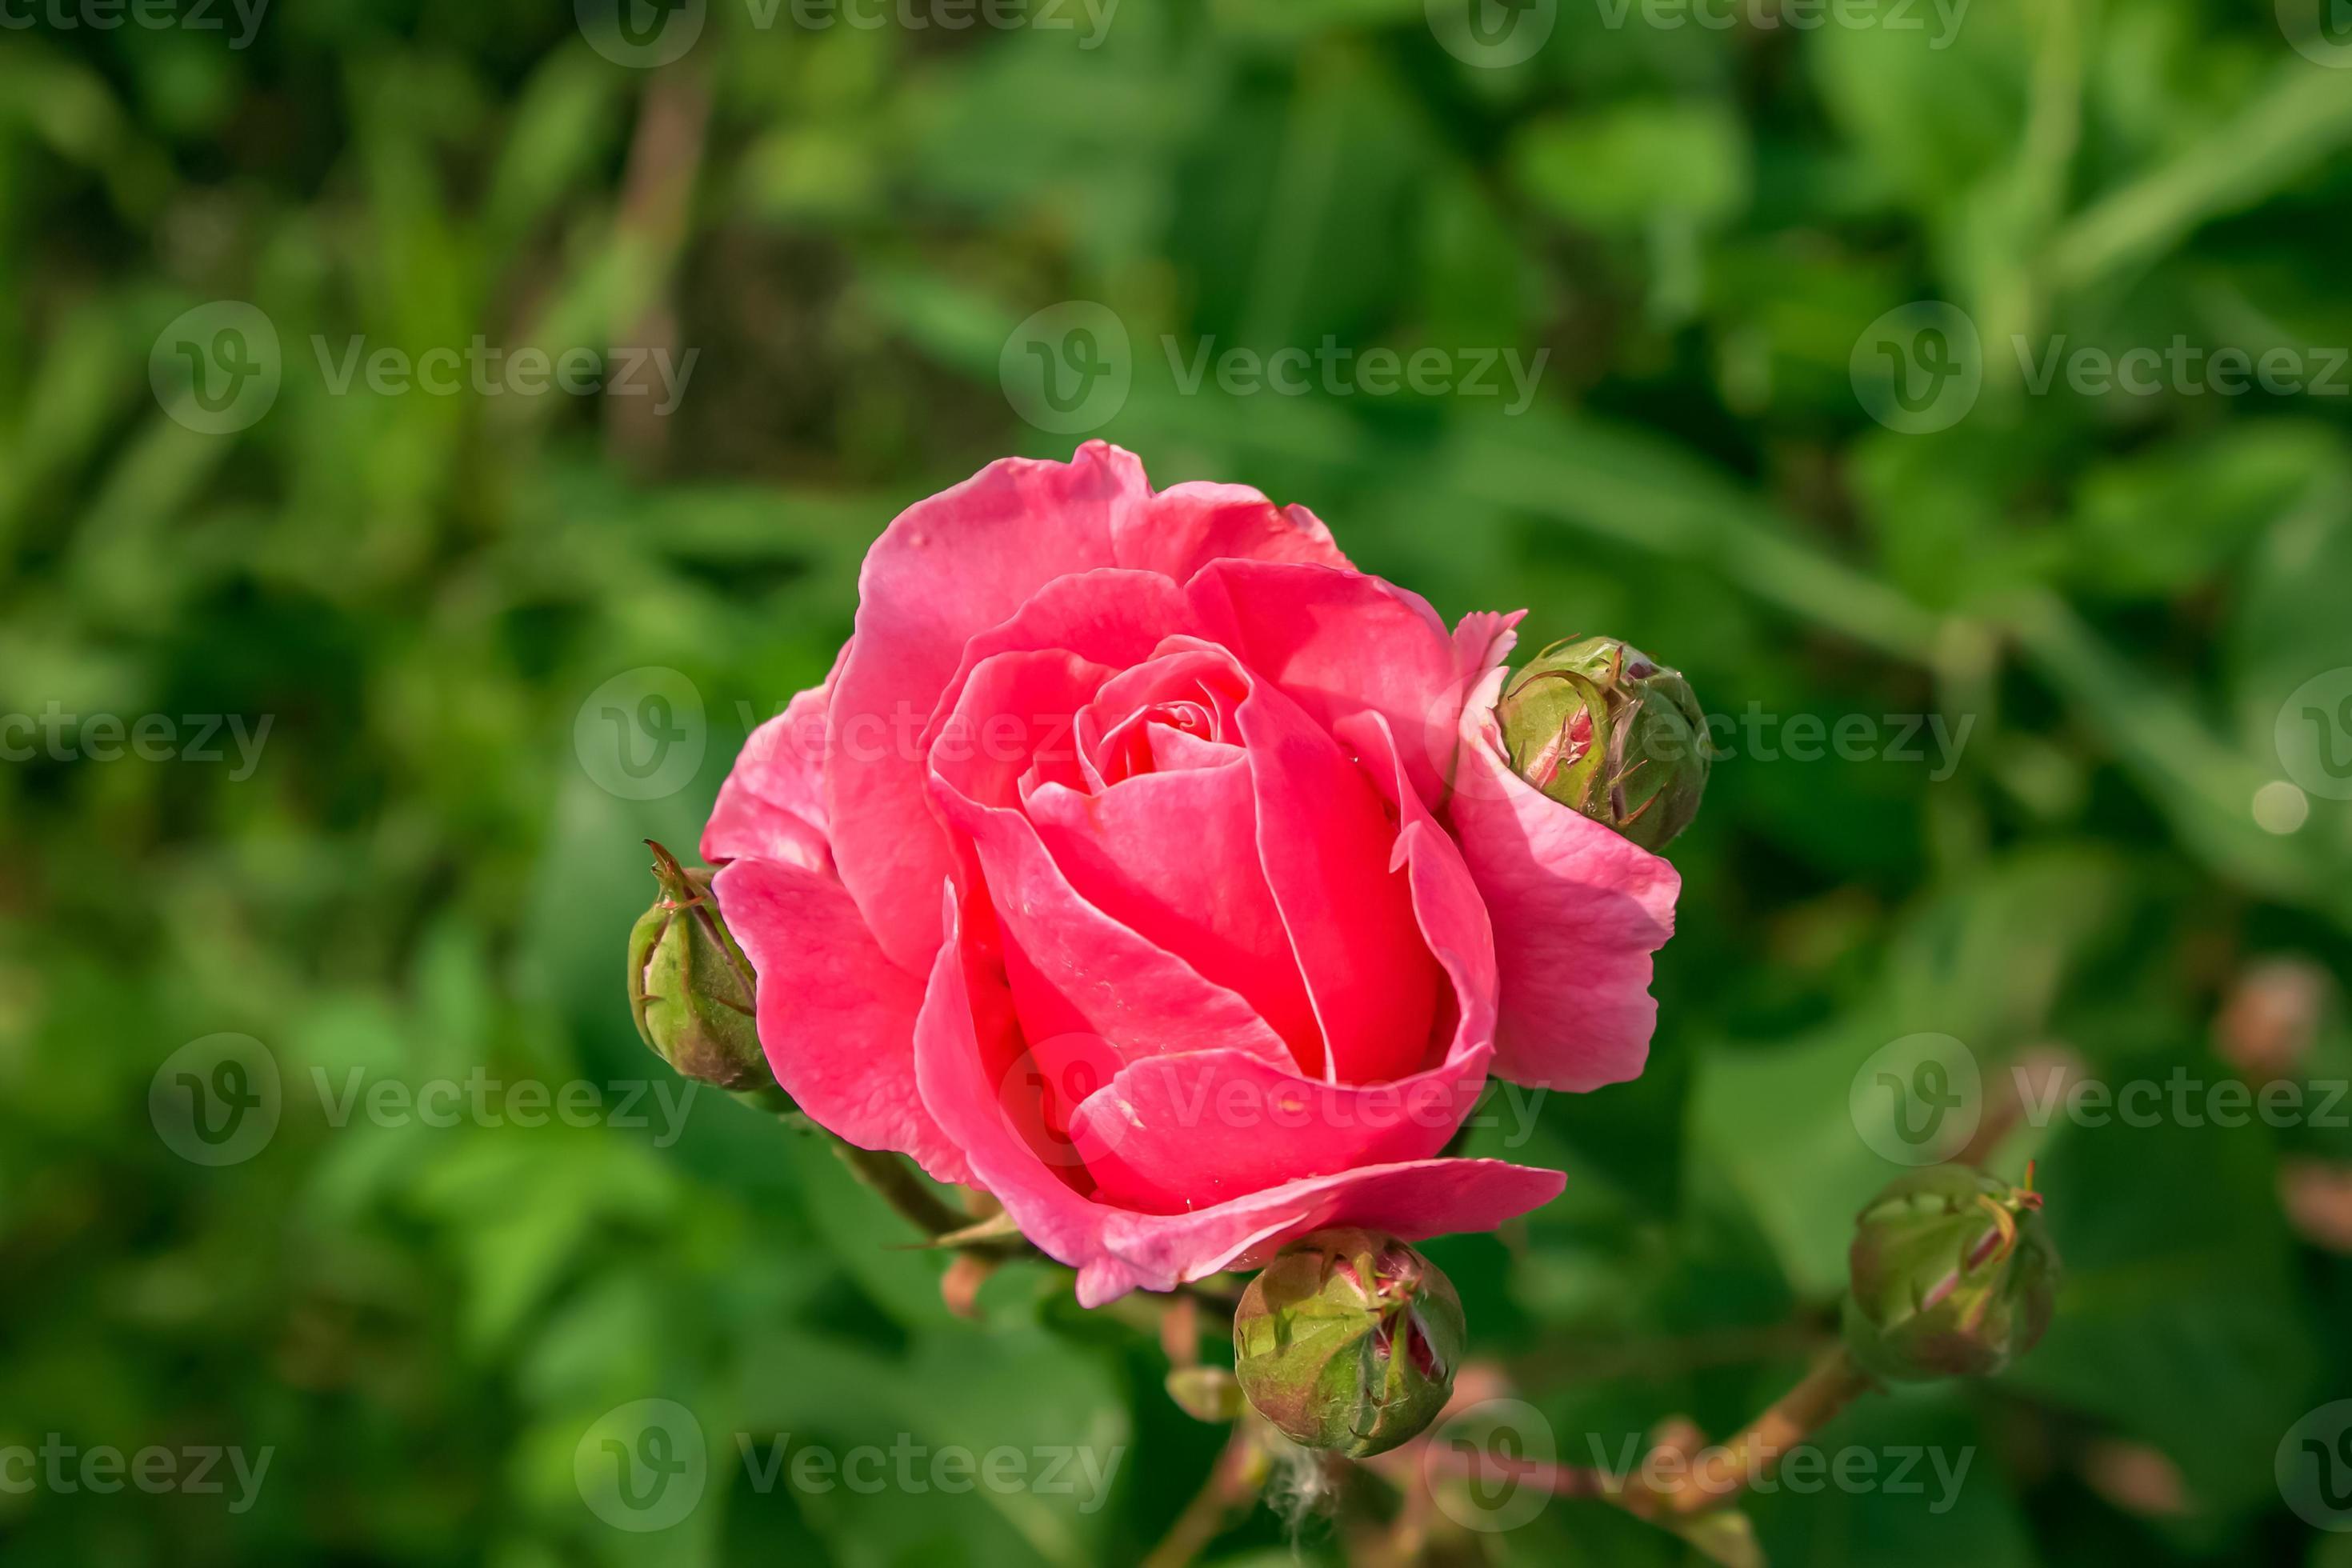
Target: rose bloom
<point>1144,864</point>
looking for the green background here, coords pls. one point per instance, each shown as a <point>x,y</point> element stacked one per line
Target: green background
<point>424,875</point>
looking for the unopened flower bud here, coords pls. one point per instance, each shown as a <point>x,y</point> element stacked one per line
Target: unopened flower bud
<point>1953,1276</point>
<point>1606,730</point>
<point>690,988</point>
<point>1349,1340</point>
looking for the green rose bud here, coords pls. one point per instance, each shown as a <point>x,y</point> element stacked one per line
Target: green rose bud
<point>1606,730</point>
<point>690,988</point>
<point>1349,1340</point>
<point>1953,1276</point>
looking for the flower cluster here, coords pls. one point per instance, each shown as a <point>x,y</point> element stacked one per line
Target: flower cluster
<point>1194,816</point>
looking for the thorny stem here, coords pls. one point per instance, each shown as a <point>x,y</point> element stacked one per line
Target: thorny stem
<point>1715,1478</point>
<point>900,1187</point>
<point>1561,1480</point>
<point>1704,1477</point>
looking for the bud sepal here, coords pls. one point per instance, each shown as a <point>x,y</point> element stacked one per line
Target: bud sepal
<point>1953,1276</point>
<point>1607,730</point>
<point>691,989</point>
<point>1349,1341</point>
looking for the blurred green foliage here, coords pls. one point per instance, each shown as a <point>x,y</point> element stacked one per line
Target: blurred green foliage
<point>420,879</point>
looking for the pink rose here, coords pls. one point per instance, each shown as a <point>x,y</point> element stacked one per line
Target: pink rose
<point>1146,865</point>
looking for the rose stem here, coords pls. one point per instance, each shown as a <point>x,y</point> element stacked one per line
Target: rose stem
<point>1716,1477</point>
<point>1561,1480</point>
<point>898,1186</point>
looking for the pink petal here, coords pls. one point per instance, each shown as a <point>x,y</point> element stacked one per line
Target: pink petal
<point>1342,642</point>
<point>1172,856</point>
<point>1446,903</point>
<point>835,1017</point>
<point>1176,1133</point>
<point>1414,1201</point>
<point>1112,617</point>
<point>956,564</point>
<point>945,570</point>
<point>1484,639</point>
<point>1116,1250</point>
<point>1077,974</point>
<point>1182,529</point>
<point>1330,854</point>
<point>771,807</point>
<point>964,1089</point>
<point>1577,908</point>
